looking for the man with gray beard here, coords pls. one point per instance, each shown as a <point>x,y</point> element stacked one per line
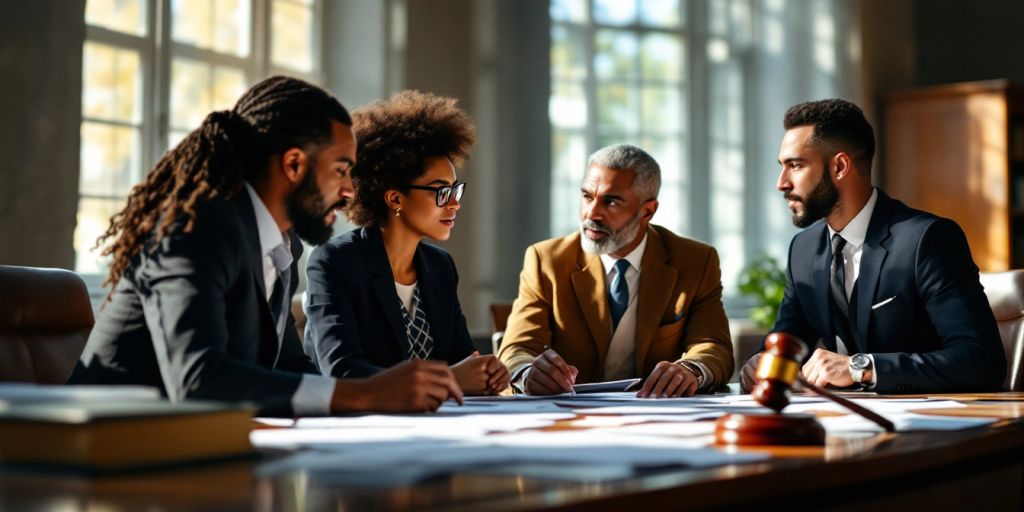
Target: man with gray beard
<point>620,298</point>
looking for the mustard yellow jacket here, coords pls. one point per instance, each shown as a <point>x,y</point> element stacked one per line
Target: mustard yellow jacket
<point>563,304</point>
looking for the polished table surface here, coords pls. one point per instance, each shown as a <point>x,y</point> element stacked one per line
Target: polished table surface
<point>947,470</point>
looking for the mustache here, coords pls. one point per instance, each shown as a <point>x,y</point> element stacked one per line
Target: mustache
<point>596,226</point>
<point>788,196</point>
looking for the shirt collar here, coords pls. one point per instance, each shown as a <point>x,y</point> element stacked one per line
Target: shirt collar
<point>270,236</point>
<point>634,257</point>
<point>857,230</point>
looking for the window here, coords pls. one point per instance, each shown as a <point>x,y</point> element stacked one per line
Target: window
<point>143,92</point>
<point>702,86</point>
<point>617,72</point>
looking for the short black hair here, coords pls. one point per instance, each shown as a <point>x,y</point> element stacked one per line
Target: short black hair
<point>394,141</point>
<point>839,125</point>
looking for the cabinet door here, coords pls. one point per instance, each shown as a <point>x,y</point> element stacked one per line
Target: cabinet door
<point>948,155</point>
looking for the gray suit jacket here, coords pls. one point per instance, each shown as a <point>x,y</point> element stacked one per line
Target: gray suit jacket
<point>190,317</point>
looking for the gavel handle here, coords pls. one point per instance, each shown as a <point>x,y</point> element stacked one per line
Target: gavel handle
<point>863,411</point>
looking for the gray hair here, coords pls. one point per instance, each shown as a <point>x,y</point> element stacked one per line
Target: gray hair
<point>621,157</point>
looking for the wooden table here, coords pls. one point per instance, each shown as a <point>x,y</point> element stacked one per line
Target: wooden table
<point>975,469</point>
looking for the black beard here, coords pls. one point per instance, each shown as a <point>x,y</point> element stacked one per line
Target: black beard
<point>819,203</point>
<point>307,212</point>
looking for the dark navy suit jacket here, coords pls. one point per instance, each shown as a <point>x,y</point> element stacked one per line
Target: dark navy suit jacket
<point>354,319</point>
<point>936,334</point>
<point>190,317</point>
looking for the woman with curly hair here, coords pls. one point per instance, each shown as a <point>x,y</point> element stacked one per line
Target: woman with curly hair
<point>377,296</point>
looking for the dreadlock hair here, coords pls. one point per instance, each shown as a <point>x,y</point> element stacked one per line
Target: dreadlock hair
<point>394,140</point>
<point>229,147</point>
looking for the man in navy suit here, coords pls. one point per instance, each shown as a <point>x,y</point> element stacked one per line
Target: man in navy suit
<point>891,292</point>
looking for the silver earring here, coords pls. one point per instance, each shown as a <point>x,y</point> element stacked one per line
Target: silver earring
<point>398,211</point>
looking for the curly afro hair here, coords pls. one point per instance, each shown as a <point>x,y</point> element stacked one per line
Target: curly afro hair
<point>395,140</point>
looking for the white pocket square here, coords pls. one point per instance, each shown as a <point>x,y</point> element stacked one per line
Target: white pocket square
<point>884,302</point>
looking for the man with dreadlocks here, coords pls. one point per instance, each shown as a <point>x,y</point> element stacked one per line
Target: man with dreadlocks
<point>203,265</point>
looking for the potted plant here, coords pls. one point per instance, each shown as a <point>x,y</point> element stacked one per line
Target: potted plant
<point>765,281</point>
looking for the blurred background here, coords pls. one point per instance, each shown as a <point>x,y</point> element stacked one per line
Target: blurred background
<point>93,92</point>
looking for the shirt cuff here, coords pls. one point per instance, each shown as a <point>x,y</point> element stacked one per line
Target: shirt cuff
<point>519,378</point>
<point>874,373</point>
<point>705,379</point>
<point>313,398</point>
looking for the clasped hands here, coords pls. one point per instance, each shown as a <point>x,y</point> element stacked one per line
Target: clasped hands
<point>481,375</point>
<point>551,375</point>
<point>824,368</point>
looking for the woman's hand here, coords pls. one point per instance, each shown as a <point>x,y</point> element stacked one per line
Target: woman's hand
<point>481,375</point>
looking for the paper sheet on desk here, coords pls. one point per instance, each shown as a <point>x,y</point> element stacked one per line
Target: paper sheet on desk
<point>904,422</point>
<point>608,386</point>
<point>585,447</point>
<point>881,406</point>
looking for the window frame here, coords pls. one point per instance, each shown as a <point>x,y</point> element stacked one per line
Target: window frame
<point>157,50</point>
<point>695,185</point>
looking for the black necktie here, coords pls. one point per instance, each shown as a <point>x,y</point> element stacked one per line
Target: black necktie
<point>838,283</point>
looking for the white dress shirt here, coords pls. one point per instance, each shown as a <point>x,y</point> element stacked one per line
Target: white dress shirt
<point>620,361</point>
<point>313,397</point>
<point>619,364</point>
<point>854,233</point>
<point>405,292</point>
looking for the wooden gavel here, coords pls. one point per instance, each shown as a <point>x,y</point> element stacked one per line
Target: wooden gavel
<point>779,368</point>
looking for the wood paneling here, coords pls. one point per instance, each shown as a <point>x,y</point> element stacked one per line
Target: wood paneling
<point>948,151</point>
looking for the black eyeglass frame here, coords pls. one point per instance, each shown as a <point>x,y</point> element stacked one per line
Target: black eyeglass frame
<point>445,192</point>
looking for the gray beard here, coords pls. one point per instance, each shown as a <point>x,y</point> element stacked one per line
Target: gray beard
<point>614,241</point>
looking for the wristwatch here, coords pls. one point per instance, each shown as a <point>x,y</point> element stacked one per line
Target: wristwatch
<point>859,364</point>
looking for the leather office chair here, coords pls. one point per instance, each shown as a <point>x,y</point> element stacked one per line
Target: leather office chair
<point>45,320</point>
<point>499,320</point>
<point>1005,291</point>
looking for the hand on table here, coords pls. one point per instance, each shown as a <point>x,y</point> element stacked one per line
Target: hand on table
<point>669,380</point>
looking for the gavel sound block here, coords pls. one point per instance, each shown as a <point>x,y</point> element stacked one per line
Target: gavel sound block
<point>777,371</point>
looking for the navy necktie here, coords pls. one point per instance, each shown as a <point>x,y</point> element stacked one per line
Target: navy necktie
<point>618,295</point>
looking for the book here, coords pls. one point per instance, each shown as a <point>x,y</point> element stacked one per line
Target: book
<point>123,434</point>
<point>21,392</point>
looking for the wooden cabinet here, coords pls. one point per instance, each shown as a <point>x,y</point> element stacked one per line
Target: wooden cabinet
<point>958,151</point>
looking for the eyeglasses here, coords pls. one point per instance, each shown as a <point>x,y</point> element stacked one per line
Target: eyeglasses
<point>444,194</point>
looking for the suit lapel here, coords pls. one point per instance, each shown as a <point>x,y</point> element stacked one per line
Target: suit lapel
<point>657,280</point>
<point>383,283</point>
<point>872,258</point>
<point>269,343</point>
<point>820,280</point>
<point>589,285</point>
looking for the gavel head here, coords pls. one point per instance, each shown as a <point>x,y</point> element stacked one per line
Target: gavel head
<point>778,370</point>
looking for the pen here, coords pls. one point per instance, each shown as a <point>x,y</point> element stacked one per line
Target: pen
<point>572,388</point>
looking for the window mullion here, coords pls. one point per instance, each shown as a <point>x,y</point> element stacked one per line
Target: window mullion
<point>698,108</point>
<point>160,100</point>
<point>590,82</point>
<point>259,59</point>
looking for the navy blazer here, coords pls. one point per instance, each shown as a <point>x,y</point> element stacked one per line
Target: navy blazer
<point>917,306</point>
<point>354,324</point>
<point>190,317</point>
